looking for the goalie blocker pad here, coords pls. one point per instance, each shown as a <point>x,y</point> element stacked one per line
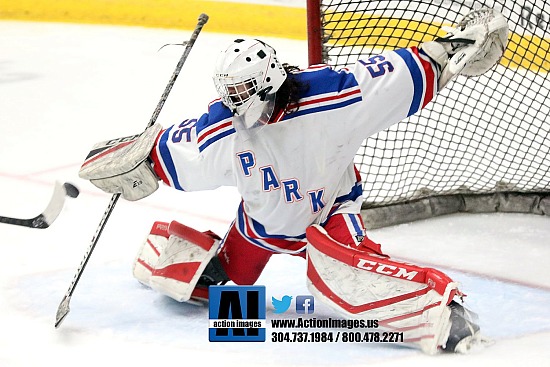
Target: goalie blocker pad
<point>121,165</point>
<point>363,285</point>
<point>173,258</point>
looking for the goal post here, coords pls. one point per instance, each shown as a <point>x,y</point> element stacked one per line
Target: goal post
<point>482,145</point>
<point>314,32</point>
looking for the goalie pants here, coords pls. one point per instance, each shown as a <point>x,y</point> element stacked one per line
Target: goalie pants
<point>244,261</point>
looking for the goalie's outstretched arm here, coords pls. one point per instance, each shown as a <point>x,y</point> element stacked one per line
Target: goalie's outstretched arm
<point>473,47</point>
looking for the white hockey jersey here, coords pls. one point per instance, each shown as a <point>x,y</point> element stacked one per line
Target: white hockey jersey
<point>299,169</point>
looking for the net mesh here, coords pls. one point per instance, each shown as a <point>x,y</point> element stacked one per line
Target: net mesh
<point>483,134</point>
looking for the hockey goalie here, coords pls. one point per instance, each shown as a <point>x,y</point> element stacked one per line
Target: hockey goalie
<point>286,138</point>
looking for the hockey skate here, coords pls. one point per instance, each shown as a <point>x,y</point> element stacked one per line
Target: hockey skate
<point>464,332</point>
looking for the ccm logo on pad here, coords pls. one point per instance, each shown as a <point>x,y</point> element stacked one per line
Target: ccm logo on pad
<point>386,269</point>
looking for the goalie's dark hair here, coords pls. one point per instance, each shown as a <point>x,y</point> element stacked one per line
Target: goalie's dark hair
<point>290,91</point>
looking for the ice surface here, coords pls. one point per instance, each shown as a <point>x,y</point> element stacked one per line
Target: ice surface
<point>65,87</point>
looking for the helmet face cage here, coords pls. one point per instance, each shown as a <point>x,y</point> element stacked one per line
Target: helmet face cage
<point>237,92</point>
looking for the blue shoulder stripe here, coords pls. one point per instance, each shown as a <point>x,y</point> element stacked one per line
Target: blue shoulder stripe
<point>325,80</point>
<point>217,111</point>
<point>327,90</point>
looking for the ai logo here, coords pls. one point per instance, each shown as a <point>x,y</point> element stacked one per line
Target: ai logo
<point>236,313</point>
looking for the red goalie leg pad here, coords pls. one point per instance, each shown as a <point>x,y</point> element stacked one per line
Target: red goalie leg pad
<point>185,271</point>
<point>361,283</point>
<point>182,261</point>
<point>203,239</point>
<point>380,264</point>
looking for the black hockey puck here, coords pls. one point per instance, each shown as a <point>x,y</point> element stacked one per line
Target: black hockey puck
<point>71,190</point>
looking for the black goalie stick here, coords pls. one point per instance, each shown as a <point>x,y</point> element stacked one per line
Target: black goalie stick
<point>47,217</point>
<point>63,309</point>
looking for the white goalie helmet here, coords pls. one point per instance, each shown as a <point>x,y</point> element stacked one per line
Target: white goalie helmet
<point>247,75</point>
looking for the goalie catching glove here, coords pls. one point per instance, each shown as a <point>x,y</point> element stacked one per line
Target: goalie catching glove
<point>473,47</point>
<point>121,166</point>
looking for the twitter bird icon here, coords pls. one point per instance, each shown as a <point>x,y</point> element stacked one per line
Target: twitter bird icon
<point>281,305</point>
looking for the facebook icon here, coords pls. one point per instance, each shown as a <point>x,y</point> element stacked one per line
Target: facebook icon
<point>305,304</point>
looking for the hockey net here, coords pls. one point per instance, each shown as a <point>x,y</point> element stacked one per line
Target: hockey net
<point>482,144</point>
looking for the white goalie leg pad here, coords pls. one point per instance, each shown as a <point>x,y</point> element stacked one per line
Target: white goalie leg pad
<point>182,261</point>
<point>363,285</point>
<point>149,252</point>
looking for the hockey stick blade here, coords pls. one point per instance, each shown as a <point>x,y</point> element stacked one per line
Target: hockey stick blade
<point>48,216</point>
<point>62,311</point>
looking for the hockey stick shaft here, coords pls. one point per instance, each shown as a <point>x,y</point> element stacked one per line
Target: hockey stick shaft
<point>64,307</point>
